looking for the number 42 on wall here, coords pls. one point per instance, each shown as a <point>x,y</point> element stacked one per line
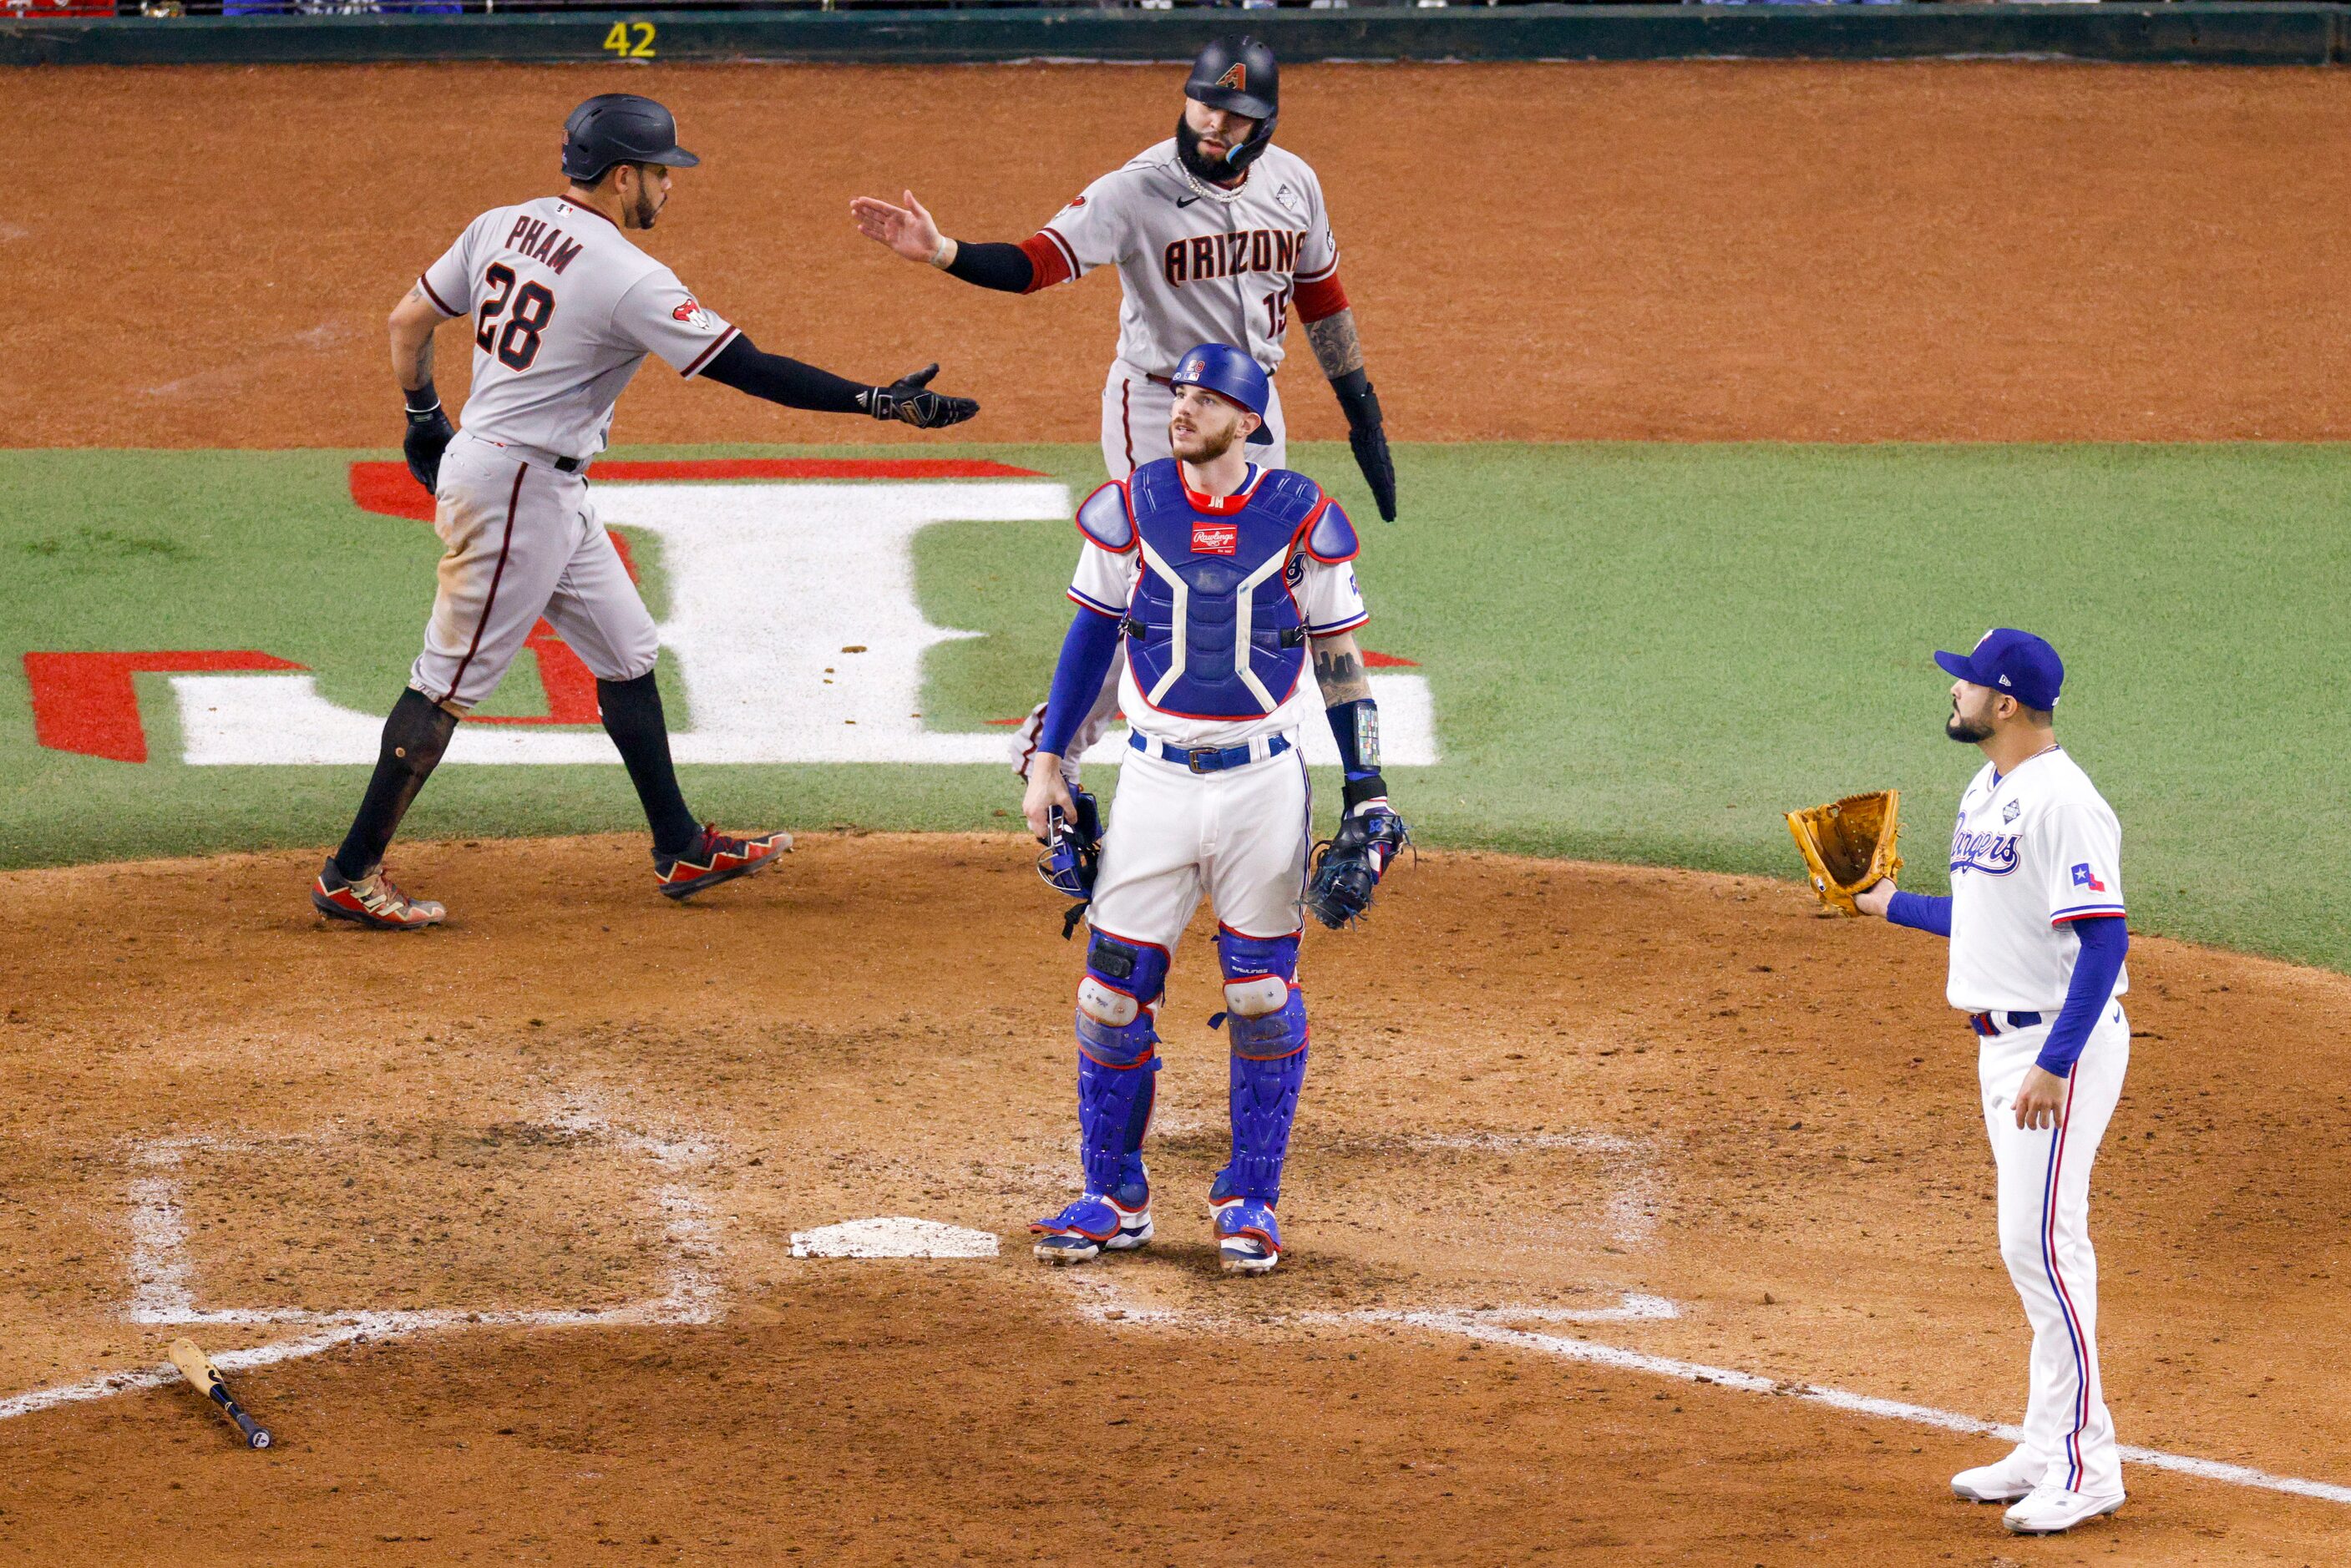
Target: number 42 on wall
<point>631,40</point>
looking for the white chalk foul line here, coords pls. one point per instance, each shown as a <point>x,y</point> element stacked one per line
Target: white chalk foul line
<point>1477,1325</point>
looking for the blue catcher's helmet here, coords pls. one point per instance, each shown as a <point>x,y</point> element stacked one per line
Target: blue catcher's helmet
<point>1233,376</point>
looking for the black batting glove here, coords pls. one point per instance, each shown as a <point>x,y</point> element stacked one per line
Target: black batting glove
<point>1368,439</point>
<point>429,435</point>
<point>906,401</point>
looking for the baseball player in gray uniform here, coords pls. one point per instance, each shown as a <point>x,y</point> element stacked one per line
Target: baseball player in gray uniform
<point>564,307</point>
<point>1217,236</point>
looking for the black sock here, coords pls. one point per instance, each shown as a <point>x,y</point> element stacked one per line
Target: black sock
<point>414,736</point>
<point>633,717</point>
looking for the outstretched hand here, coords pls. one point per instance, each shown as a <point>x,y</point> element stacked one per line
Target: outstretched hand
<point>908,401</point>
<point>907,229</point>
<point>1877,898</point>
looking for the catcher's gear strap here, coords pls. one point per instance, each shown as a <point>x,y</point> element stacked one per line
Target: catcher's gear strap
<point>1849,844</point>
<point>1330,536</point>
<point>1104,518</point>
<point>1117,1000</point>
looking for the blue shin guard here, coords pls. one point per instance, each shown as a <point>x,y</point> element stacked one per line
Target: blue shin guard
<point>1117,1058</point>
<point>1268,1068</point>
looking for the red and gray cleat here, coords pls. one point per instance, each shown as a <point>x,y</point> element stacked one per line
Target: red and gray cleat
<point>371,900</point>
<point>714,858</point>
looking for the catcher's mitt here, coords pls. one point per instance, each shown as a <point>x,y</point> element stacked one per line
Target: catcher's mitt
<point>1849,844</point>
<point>1348,866</point>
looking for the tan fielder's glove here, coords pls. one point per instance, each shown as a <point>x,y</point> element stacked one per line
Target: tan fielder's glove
<point>1849,844</point>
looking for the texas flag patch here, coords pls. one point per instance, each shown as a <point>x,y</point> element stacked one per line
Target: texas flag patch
<point>1215,538</point>
<point>2084,877</point>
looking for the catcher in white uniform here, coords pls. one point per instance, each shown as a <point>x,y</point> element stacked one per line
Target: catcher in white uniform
<point>1219,577</point>
<point>564,308</point>
<point>2036,925</point>
<point>1219,236</point>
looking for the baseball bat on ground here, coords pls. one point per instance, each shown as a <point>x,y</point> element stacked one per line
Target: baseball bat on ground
<point>197,1369</point>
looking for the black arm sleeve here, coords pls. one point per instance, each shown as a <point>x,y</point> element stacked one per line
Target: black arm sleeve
<point>994,265</point>
<point>781,380</point>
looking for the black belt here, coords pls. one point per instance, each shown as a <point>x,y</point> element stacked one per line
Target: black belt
<point>1990,1024</point>
<point>569,465</point>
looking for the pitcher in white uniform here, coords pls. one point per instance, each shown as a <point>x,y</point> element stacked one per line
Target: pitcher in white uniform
<point>564,308</point>
<point>2036,925</point>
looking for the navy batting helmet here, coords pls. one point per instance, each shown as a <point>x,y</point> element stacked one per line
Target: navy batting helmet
<point>1239,76</point>
<point>1233,376</point>
<point>620,128</point>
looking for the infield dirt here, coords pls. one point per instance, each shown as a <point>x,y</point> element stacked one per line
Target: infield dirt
<point>1730,251</point>
<point>1533,1086</point>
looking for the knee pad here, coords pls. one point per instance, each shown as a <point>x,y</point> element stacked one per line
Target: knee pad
<point>1118,1000</point>
<point>1265,1011</point>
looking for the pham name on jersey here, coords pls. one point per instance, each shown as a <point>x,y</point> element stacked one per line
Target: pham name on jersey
<point>1206,256</point>
<point>542,241</point>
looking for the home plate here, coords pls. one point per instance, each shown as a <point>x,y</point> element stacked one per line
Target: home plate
<point>892,1237</point>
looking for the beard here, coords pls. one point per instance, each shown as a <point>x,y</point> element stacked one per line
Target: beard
<point>1966,732</point>
<point>1204,447</point>
<point>1216,170</point>
<point>647,208</point>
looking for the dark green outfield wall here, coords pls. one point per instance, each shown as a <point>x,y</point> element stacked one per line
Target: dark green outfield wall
<point>2217,34</point>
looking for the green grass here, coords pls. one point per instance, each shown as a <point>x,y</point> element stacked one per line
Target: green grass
<point>1638,653</point>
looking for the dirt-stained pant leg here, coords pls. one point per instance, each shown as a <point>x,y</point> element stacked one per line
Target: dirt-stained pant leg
<point>517,532</point>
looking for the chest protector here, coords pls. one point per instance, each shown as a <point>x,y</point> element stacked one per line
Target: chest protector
<point>1213,629</point>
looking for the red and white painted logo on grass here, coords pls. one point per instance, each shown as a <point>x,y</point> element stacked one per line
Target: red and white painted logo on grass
<point>790,620</point>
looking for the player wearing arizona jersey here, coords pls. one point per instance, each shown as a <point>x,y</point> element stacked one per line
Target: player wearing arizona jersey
<point>1224,579</point>
<point>1219,236</point>
<point>563,309</point>
<point>2036,925</point>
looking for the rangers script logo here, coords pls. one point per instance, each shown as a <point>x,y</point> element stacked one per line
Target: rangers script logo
<point>1993,854</point>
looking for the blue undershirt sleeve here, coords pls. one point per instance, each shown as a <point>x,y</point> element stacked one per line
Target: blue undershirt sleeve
<point>2105,939</point>
<point>1086,653</point>
<point>1921,911</point>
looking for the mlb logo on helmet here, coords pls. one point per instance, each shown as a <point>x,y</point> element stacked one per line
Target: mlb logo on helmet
<point>1196,368</point>
<point>2083,878</point>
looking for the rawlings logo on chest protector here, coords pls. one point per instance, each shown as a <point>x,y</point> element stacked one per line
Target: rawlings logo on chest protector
<point>1213,629</point>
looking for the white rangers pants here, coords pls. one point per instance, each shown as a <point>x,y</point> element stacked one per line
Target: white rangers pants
<point>523,542</point>
<point>1240,836</point>
<point>2044,1238</point>
<point>1134,422</point>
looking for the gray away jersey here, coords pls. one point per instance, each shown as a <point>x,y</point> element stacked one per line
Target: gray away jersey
<point>564,309</point>
<point>1197,263</point>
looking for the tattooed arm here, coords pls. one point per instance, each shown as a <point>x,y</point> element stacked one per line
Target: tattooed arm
<point>1354,717</point>
<point>429,429</point>
<point>413,321</point>
<point>1340,352</point>
<point>1339,670</point>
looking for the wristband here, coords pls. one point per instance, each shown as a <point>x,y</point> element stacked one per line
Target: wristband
<point>1357,400</point>
<point>1356,727</point>
<point>944,257</point>
<point>421,399</point>
<point>1356,791</point>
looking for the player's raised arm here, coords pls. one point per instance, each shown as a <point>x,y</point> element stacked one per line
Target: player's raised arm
<point>907,400</point>
<point>1040,261</point>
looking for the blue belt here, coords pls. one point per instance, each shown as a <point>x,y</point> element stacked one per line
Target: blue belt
<point>1207,759</point>
<point>1990,1024</point>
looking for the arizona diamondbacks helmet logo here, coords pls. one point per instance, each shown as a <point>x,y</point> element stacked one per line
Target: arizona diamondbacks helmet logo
<point>1237,77</point>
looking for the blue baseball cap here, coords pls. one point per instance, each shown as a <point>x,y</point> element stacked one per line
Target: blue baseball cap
<point>2014,663</point>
